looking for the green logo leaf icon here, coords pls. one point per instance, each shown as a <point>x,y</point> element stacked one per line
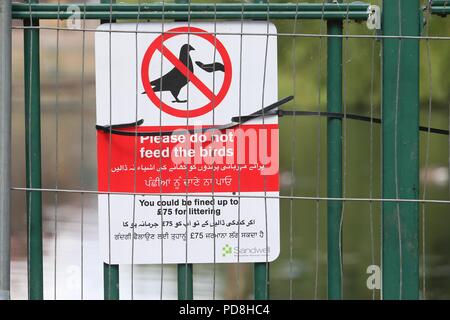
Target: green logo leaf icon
<point>226,250</point>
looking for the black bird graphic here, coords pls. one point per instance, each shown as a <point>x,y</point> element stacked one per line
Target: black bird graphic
<point>175,80</point>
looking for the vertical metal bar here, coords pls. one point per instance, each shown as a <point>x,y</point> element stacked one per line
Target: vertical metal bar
<point>334,159</point>
<point>260,275</point>
<point>110,271</point>
<point>5,147</point>
<point>185,270</point>
<point>110,20</point>
<point>401,149</point>
<point>33,157</point>
<point>111,281</point>
<point>261,269</point>
<point>185,282</point>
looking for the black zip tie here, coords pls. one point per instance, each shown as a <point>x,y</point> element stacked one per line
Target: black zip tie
<point>236,121</point>
<point>265,112</point>
<point>350,116</point>
<point>120,126</point>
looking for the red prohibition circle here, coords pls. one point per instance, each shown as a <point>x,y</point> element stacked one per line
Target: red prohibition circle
<point>157,44</point>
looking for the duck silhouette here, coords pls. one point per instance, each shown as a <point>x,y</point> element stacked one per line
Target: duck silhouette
<point>175,80</point>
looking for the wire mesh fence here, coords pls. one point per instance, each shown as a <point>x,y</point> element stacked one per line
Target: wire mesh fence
<point>363,152</point>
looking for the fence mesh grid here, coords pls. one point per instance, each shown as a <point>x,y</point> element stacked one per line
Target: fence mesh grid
<point>72,267</point>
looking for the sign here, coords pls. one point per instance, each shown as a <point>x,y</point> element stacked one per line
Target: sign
<point>202,194</point>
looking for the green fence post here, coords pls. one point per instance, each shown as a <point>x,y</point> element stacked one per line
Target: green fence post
<point>400,149</point>
<point>33,157</point>
<point>110,20</point>
<point>185,282</point>
<point>111,281</point>
<point>334,159</point>
<point>110,271</point>
<point>261,269</point>
<point>185,270</point>
<point>261,285</point>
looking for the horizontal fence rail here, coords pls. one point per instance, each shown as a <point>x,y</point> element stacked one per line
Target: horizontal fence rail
<point>352,11</point>
<point>440,7</point>
<point>358,11</point>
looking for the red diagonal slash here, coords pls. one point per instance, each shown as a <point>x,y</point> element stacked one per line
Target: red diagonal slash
<point>186,72</point>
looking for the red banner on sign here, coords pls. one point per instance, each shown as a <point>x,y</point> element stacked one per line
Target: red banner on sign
<point>242,159</point>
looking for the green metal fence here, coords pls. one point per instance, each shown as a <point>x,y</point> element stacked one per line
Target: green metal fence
<point>402,23</point>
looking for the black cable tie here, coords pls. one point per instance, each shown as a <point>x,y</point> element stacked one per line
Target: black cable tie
<point>119,126</point>
<point>236,121</point>
<point>351,116</point>
<point>264,112</point>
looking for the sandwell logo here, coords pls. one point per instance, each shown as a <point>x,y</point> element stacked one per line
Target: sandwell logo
<point>226,250</point>
<point>251,252</point>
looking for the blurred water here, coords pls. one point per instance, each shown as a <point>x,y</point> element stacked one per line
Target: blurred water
<point>73,274</point>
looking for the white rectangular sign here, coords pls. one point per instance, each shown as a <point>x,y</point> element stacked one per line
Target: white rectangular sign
<point>210,195</point>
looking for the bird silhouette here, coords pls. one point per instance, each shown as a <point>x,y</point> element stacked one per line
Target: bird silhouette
<point>175,80</point>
